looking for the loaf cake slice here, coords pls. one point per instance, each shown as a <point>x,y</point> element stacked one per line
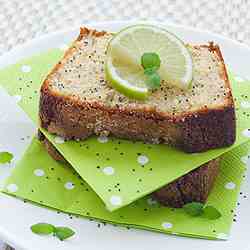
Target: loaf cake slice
<point>76,101</point>
<point>194,186</point>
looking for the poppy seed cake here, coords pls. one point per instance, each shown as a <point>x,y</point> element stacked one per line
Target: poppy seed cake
<point>76,101</point>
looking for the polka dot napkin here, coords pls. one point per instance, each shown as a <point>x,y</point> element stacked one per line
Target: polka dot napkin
<point>58,186</point>
<point>119,171</point>
<point>114,173</point>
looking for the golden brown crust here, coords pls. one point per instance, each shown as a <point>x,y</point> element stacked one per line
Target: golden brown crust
<point>210,129</point>
<point>192,187</point>
<point>197,131</point>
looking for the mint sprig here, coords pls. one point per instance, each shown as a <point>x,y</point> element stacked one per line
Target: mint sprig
<point>62,233</point>
<point>195,209</point>
<point>5,157</point>
<point>151,63</point>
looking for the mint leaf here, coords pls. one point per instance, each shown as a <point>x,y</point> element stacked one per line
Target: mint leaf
<point>151,63</point>
<point>194,208</point>
<point>150,71</point>
<point>42,228</point>
<point>150,60</point>
<point>5,157</point>
<point>63,233</point>
<point>154,81</point>
<point>211,213</point>
<point>198,209</point>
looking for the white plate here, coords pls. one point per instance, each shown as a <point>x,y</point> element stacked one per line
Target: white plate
<point>16,131</point>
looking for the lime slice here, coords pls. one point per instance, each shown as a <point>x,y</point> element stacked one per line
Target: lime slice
<point>123,63</point>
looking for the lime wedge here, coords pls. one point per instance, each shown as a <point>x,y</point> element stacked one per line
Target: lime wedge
<point>123,62</point>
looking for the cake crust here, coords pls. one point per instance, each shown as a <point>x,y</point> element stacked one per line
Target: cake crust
<point>192,187</point>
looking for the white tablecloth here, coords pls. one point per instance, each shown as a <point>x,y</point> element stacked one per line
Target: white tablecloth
<point>22,20</point>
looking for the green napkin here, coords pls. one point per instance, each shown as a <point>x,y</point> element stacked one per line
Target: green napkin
<point>112,167</point>
<point>58,186</point>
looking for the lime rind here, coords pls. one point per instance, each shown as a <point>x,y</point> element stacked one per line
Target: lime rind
<point>123,86</point>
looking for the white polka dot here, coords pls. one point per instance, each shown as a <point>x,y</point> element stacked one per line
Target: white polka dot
<point>115,200</point>
<point>12,188</point>
<point>230,185</point>
<point>26,68</point>
<point>142,159</point>
<point>59,139</point>
<point>151,202</point>
<point>102,139</point>
<point>246,132</point>
<point>38,172</point>
<point>239,79</point>
<point>17,98</point>
<point>245,104</point>
<point>69,185</point>
<point>108,170</point>
<point>222,236</point>
<point>63,47</point>
<point>167,225</point>
<point>245,159</point>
